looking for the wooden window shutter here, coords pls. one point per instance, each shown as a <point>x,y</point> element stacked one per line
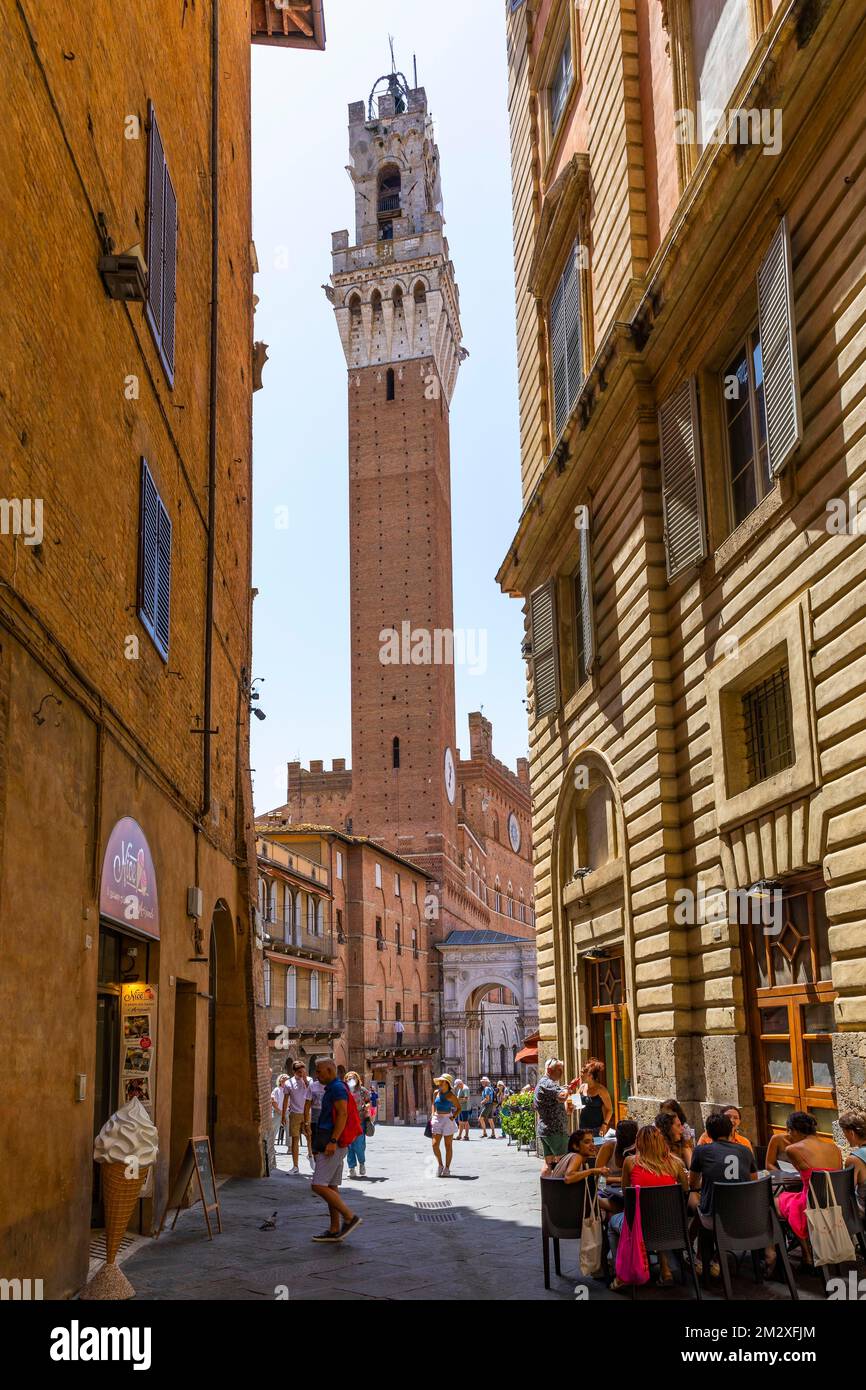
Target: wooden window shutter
<point>566,342</point>
<point>545,655</point>
<point>155,252</point>
<point>154,563</point>
<point>586,616</point>
<point>169,280</point>
<point>163,581</point>
<point>779,350</point>
<point>149,527</point>
<point>685,529</point>
<point>161,253</point>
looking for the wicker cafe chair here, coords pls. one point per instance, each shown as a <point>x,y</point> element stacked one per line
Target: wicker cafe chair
<point>744,1219</point>
<point>561,1217</point>
<point>665,1224</point>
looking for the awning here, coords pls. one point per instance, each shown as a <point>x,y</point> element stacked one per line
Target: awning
<point>529,1055</point>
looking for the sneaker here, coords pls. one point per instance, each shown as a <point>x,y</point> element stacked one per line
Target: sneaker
<point>353,1172</point>
<point>447,1173</point>
<point>349,1226</point>
<point>328,1238</point>
<point>441,1172</point>
<point>362,1170</point>
<point>295,1170</point>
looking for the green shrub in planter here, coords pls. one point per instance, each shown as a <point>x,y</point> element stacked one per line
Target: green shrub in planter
<point>518,1118</point>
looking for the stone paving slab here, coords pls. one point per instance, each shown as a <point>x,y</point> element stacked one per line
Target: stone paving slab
<point>493,1252</point>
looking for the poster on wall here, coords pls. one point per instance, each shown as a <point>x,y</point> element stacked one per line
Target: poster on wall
<point>138,1045</point>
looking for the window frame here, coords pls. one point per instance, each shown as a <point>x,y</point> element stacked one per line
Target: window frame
<point>745,343</point>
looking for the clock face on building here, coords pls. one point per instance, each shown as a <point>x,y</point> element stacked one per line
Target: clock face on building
<point>450,776</point>
<point>514,832</point>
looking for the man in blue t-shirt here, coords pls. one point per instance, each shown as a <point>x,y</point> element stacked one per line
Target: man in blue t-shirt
<point>328,1170</point>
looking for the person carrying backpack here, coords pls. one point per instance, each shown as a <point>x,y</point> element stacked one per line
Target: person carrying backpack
<point>339,1124</point>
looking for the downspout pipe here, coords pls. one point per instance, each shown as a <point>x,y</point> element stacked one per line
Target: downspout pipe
<point>212,412</point>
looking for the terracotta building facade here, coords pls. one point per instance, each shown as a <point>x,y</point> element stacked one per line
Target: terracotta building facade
<point>127,923</point>
<point>463,823</point>
<point>691,294</point>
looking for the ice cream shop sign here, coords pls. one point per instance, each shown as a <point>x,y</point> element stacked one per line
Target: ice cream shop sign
<point>127,893</point>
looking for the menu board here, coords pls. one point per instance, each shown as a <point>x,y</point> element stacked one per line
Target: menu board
<point>197,1162</point>
<point>138,1019</point>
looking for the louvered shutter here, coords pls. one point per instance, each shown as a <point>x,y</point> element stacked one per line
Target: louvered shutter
<point>573,345</point>
<point>155,252</point>
<point>586,617</point>
<point>545,657</point>
<point>682,483</point>
<point>149,524</point>
<point>169,277</point>
<point>558,353</point>
<point>163,582</point>
<point>779,350</point>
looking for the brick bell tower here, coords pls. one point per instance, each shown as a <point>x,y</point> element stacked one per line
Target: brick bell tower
<point>397,310</point>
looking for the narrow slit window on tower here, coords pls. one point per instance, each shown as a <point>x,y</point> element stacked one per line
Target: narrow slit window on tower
<point>390,390</point>
<point>395,753</point>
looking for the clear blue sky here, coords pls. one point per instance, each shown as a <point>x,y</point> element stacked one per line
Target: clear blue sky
<point>301,194</point>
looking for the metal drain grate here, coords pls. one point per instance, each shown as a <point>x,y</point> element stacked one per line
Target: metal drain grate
<point>437,1213</point>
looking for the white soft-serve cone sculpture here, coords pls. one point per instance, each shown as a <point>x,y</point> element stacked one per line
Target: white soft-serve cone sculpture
<point>126,1146</point>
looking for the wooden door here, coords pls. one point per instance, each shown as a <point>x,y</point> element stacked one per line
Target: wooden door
<point>608,1028</point>
<point>791,1011</point>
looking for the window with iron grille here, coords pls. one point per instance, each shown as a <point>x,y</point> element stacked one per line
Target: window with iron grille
<point>566,341</point>
<point>154,563</point>
<point>768,727</point>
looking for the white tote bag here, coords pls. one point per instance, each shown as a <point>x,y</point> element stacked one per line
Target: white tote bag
<point>590,1231</point>
<point>828,1234</point>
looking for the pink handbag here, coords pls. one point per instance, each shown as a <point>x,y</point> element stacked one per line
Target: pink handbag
<point>632,1263</point>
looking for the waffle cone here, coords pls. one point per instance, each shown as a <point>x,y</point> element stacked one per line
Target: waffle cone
<point>119,1195</point>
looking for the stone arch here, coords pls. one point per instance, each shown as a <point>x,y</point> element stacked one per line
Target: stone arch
<point>420,289</point>
<point>585,773</point>
<point>352,300</point>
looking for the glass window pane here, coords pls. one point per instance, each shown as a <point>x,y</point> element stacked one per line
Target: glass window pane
<point>821,1061</point>
<point>764,980</point>
<point>744,496</point>
<point>824,1118</point>
<point>819,1018</point>
<point>780,1068</point>
<point>782,967</point>
<point>778,1113</point>
<point>774,1020</point>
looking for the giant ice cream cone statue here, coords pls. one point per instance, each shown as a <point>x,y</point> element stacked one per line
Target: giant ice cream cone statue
<point>126,1146</point>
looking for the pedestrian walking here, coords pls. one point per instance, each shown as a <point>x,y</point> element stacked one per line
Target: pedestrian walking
<point>374,1099</point>
<point>278,1097</point>
<point>335,1123</point>
<point>317,1090</point>
<point>443,1123</point>
<point>297,1109</point>
<point>551,1114</point>
<point>357,1151</point>
<point>461,1090</point>
<point>488,1105</point>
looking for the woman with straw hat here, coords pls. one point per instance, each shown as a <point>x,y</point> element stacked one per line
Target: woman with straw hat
<point>443,1125</point>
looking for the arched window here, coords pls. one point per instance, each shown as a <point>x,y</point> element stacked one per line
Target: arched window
<point>314,989</point>
<point>267,984</point>
<point>272,902</point>
<point>311,915</point>
<point>390,185</point>
<point>420,292</point>
<point>495,826</point>
<point>262,898</point>
<point>320,917</point>
<point>291,995</point>
<point>390,385</point>
<point>395,753</point>
<point>288,913</point>
<point>299,911</point>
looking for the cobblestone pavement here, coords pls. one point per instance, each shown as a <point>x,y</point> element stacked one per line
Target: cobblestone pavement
<point>484,1244</point>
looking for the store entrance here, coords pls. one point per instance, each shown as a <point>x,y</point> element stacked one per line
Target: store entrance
<point>608,1022</point>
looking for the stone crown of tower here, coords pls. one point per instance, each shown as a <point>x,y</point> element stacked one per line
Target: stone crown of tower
<point>394,292</point>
